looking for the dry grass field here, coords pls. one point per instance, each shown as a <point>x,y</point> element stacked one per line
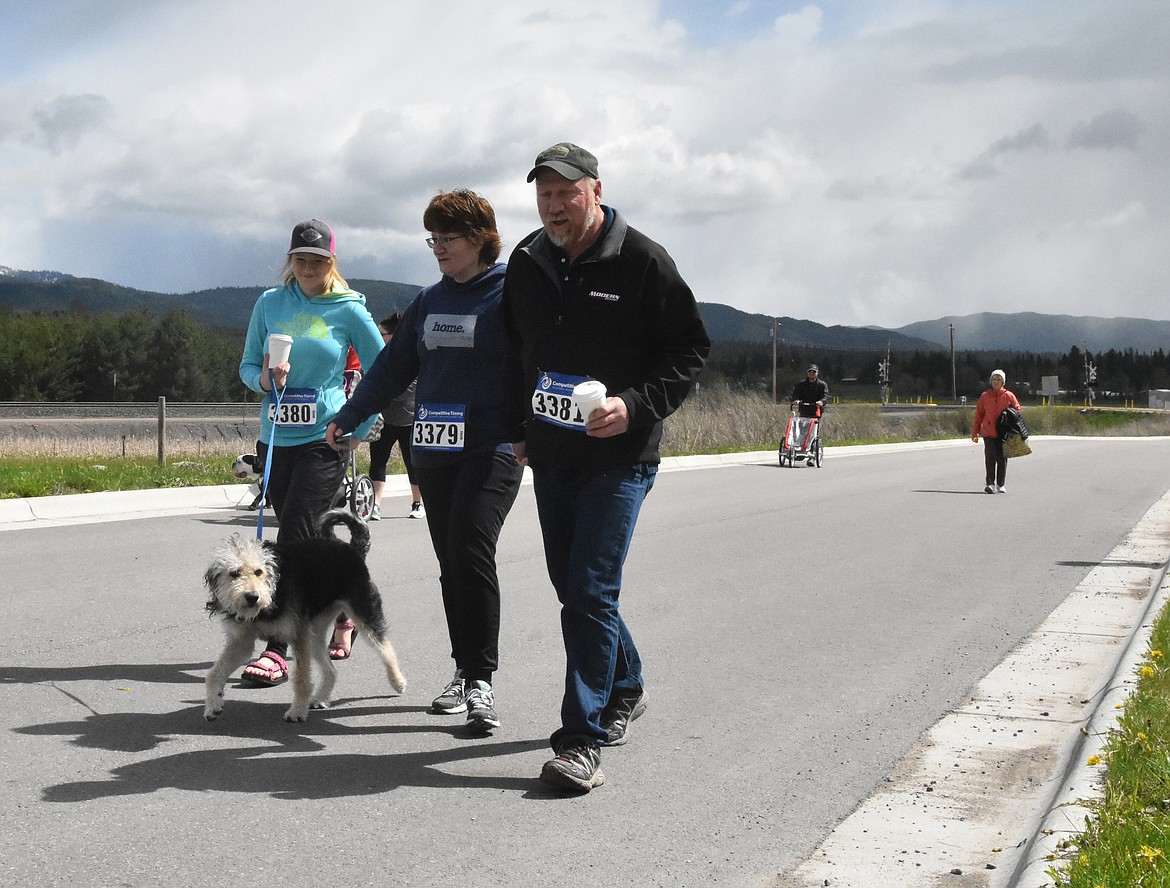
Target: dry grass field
<point>84,448</point>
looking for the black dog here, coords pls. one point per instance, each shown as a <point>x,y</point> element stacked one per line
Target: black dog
<point>293,592</point>
<point>251,467</point>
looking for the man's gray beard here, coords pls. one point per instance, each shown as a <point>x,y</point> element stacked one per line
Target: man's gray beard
<point>567,239</point>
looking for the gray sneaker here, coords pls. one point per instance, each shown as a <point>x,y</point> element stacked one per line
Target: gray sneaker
<point>618,713</point>
<point>577,767</point>
<point>481,708</point>
<point>453,699</point>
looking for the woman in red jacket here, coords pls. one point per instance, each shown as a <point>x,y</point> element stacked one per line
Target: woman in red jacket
<point>991,404</point>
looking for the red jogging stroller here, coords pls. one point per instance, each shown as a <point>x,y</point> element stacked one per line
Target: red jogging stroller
<point>802,439</point>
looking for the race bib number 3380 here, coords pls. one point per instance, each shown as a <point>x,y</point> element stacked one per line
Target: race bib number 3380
<point>298,407</point>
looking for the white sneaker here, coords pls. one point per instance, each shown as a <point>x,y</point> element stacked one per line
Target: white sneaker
<point>990,488</point>
<point>417,510</point>
<point>1001,489</point>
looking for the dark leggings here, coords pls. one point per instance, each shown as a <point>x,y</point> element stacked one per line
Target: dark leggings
<point>302,486</point>
<point>994,461</point>
<point>380,452</point>
<point>467,502</point>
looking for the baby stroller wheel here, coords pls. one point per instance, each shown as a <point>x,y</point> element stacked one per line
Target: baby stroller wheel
<point>819,450</point>
<point>361,497</point>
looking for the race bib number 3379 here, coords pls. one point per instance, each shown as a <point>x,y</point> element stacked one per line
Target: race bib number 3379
<point>439,427</point>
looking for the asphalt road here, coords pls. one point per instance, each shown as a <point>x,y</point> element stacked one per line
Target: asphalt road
<point>801,629</point>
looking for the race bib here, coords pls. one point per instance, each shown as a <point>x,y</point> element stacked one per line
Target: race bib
<point>553,401</point>
<point>298,407</point>
<point>439,427</point>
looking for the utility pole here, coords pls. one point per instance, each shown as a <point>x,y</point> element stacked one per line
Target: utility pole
<point>884,377</point>
<point>954,387</point>
<point>775,336</point>
<point>1090,375</point>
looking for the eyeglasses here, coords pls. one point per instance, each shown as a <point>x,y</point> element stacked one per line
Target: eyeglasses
<point>443,242</point>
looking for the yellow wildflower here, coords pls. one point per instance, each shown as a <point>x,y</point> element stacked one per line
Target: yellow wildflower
<point>1093,760</point>
<point>1150,855</point>
<point>1155,655</point>
<point>1147,671</point>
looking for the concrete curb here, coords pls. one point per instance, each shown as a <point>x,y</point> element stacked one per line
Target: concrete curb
<point>117,505</point>
<point>988,791</point>
<point>55,511</point>
<point>81,508</point>
<point>1065,814</point>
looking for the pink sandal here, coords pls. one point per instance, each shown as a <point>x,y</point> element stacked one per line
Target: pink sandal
<point>339,650</point>
<point>270,677</point>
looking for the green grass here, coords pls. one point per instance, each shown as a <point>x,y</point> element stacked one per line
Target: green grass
<point>58,475</point>
<point>1127,839</point>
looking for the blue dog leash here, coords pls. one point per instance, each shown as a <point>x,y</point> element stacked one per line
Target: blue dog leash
<point>277,398</point>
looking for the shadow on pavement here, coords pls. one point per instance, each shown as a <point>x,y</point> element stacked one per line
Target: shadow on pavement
<point>289,761</point>
<point>153,673</point>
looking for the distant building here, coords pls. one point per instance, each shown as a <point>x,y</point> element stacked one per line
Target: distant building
<point>1160,399</point>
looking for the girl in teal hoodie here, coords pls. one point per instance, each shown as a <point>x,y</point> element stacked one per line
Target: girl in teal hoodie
<point>324,317</point>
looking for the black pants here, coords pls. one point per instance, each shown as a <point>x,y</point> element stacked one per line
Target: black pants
<point>994,461</point>
<point>301,488</point>
<point>380,452</point>
<point>467,502</point>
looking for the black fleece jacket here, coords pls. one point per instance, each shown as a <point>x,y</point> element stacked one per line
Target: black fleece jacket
<point>620,314</point>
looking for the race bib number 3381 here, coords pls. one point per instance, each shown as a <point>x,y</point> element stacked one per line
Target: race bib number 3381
<point>552,401</point>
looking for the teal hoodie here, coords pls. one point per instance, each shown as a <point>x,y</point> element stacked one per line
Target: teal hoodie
<point>322,328</point>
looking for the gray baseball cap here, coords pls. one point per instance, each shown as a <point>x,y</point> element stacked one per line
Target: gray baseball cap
<point>566,159</point>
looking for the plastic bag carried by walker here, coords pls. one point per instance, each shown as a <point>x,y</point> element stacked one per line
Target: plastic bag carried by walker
<point>1015,445</point>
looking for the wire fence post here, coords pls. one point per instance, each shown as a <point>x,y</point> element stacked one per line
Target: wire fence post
<point>162,432</point>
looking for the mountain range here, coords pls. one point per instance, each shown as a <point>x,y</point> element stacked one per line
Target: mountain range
<point>230,307</point>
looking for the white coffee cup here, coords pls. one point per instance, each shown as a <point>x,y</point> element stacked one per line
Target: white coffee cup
<point>279,347</point>
<point>589,395</point>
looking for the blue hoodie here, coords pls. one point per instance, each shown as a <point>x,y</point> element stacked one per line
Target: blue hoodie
<point>322,328</point>
<point>451,338</point>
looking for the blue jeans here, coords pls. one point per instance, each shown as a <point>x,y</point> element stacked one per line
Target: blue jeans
<point>587,518</point>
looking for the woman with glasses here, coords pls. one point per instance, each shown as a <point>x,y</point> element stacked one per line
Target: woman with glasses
<point>451,338</point>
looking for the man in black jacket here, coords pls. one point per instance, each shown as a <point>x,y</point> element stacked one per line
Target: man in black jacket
<point>587,298</point>
<point>810,394</point>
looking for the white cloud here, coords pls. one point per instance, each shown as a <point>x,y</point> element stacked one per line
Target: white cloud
<point>879,162</point>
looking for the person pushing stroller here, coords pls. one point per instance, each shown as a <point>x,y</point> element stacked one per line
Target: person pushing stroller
<point>809,396</point>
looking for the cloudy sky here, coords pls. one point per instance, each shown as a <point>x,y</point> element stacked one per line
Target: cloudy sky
<point>848,161</point>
